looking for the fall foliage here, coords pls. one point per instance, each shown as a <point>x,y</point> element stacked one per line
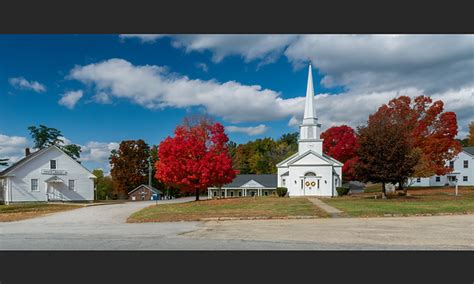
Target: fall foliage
<point>385,154</point>
<point>261,156</point>
<point>470,136</point>
<point>341,143</point>
<point>431,131</point>
<point>129,166</point>
<point>197,157</point>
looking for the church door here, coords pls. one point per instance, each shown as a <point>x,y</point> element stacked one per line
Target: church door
<point>311,184</point>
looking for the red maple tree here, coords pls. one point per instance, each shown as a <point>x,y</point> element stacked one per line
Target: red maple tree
<point>196,158</point>
<point>341,143</point>
<point>432,131</point>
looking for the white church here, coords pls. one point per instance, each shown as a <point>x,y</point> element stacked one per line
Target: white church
<point>310,172</point>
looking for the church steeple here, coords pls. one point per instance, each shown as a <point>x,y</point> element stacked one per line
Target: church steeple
<point>309,128</point>
<point>309,110</point>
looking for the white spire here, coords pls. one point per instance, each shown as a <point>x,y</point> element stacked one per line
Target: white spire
<point>309,110</point>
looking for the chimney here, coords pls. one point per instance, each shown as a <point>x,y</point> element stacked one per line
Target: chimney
<point>27,151</point>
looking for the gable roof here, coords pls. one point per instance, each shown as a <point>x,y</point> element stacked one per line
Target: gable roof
<point>322,157</point>
<point>22,161</point>
<point>154,190</point>
<point>287,159</point>
<point>469,150</point>
<point>268,180</point>
<point>33,155</point>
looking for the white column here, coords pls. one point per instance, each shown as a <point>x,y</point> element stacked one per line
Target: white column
<point>225,192</point>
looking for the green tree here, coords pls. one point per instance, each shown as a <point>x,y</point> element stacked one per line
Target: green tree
<point>44,137</point>
<point>73,150</point>
<point>103,184</point>
<point>261,156</point>
<point>289,138</point>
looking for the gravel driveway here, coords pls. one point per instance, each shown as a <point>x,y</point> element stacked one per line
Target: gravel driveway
<point>103,228</point>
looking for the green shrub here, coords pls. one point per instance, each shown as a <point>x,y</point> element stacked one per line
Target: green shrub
<point>281,191</point>
<point>342,190</point>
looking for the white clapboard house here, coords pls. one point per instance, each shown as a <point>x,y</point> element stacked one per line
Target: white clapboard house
<point>48,174</point>
<point>310,172</point>
<point>463,171</point>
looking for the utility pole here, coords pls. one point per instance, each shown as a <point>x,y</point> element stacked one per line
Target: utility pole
<point>149,171</point>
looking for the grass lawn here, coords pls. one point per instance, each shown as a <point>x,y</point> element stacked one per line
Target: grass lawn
<point>262,207</point>
<point>15,212</point>
<point>432,200</point>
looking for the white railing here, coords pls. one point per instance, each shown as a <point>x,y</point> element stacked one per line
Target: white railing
<point>55,196</point>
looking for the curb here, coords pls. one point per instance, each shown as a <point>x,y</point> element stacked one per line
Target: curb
<point>257,218</point>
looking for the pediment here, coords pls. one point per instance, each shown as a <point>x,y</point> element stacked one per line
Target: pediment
<point>252,183</point>
<point>310,158</point>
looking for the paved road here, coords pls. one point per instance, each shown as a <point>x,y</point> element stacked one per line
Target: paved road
<point>104,228</point>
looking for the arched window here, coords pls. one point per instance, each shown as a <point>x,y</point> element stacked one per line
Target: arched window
<point>310,174</point>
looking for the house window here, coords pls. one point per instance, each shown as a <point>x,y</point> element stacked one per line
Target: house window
<point>318,183</point>
<point>215,193</point>
<point>240,193</point>
<point>464,178</point>
<point>52,164</point>
<point>451,164</point>
<point>231,194</point>
<point>283,182</point>
<point>34,184</point>
<point>438,179</point>
<point>71,185</point>
<point>222,193</point>
<point>301,184</point>
<point>418,180</point>
<point>265,193</point>
<point>466,164</point>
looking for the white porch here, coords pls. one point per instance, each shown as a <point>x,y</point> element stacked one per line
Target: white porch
<point>239,192</point>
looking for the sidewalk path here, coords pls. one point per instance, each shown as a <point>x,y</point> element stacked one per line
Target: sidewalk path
<point>334,212</point>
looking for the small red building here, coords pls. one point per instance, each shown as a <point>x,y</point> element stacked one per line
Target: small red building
<point>144,192</point>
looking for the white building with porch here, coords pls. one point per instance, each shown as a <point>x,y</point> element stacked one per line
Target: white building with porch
<point>246,185</point>
<point>462,169</point>
<point>48,174</point>
<point>310,172</point>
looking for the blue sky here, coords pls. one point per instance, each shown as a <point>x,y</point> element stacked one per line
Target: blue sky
<point>102,89</point>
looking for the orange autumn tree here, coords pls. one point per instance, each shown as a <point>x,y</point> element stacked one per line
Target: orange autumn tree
<point>470,136</point>
<point>431,132</point>
<point>196,158</point>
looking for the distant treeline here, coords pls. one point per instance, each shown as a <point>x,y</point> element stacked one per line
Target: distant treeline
<point>261,156</point>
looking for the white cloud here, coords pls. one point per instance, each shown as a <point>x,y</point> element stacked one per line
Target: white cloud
<point>153,87</point>
<point>379,63</point>
<point>12,147</point>
<point>146,38</point>
<point>70,99</point>
<point>98,152</point>
<point>102,98</point>
<point>251,130</point>
<point>22,83</point>
<point>363,63</point>
<point>250,47</point>
<point>294,121</point>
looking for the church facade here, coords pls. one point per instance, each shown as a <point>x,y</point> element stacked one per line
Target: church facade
<point>310,172</point>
